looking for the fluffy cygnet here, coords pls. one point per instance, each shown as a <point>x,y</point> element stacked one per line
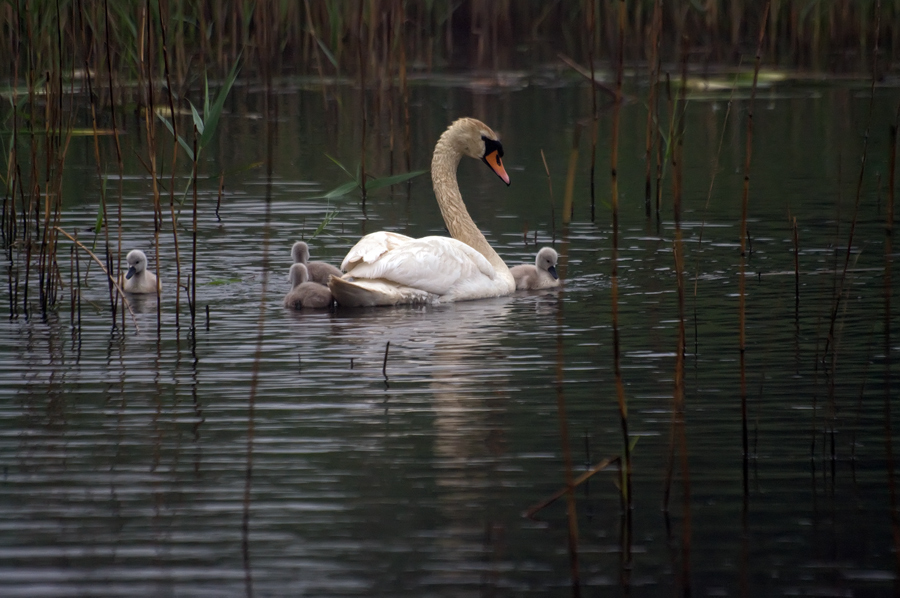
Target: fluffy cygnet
<point>138,279</point>
<point>305,293</point>
<point>542,275</point>
<point>319,272</point>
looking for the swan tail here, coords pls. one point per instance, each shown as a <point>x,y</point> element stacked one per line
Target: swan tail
<point>368,293</point>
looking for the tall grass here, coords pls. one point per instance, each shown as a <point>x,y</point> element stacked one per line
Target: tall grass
<point>320,38</point>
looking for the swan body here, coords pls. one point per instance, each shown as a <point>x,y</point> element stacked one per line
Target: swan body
<point>319,272</point>
<point>304,293</point>
<point>426,270</point>
<point>386,268</point>
<point>542,275</point>
<point>138,279</point>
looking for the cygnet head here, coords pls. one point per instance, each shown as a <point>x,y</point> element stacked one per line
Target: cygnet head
<point>300,252</point>
<point>298,274</point>
<point>137,263</point>
<point>473,138</point>
<point>546,259</point>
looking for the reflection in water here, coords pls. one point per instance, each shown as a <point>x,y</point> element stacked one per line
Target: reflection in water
<point>469,442</point>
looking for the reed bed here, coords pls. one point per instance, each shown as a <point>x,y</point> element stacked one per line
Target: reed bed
<point>322,37</point>
<point>78,64</point>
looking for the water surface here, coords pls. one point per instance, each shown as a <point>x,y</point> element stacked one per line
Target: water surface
<point>272,452</point>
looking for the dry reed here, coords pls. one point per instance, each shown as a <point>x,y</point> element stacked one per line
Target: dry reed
<point>614,292</point>
<point>742,297</point>
<point>888,292</point>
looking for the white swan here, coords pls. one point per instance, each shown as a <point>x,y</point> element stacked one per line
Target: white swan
<point>304,293</point>
<point>319,272</point>
<point>386,268</point>
<point>542,275</point>
<point>138,279</point>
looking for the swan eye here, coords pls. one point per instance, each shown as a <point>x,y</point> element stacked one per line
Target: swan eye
<point>492,145</point>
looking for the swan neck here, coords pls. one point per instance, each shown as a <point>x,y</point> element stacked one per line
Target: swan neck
<point>446,189</point>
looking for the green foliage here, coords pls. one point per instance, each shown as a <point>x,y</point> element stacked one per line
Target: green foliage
<point>207,122</point>
<point>329,216</point>
<point>371,185</point>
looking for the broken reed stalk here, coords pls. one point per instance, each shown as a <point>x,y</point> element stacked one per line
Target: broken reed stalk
<point>552,211</point>
<point>112,281</point>
<point>387,348</point>
<point>652,108</point>
<point>592,27</point>
<point>742,297</point>
<point>614,275</point>
<point>219,195</point>
<point>533,510</point>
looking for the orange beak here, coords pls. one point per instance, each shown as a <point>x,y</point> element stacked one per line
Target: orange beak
<point>493,160</point>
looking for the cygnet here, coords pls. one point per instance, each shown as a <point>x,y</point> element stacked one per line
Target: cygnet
<point>305,293</point>
<point>542,275</point>
<point>319,272</point>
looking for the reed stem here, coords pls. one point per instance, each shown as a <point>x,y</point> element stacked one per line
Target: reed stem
<point>552,210</point>
<point>888,292</point>
<point>592,22</point>
<point>614,294</point>
<point>678,410</point>
<point>652,109</point>
<point>362,101</point>
<point>745,200</point>
<point>193,291</point>
<point>568,203</point>
<point>571,510</point>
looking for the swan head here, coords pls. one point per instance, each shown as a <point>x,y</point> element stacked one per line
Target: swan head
<point>298,275</point>
<point>546,259</point>
<point>473,138</point>
<point>300,252</point>
<point>137,263</point>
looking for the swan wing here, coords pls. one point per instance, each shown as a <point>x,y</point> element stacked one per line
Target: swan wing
<point>432,264</point>
<point>373,246</point>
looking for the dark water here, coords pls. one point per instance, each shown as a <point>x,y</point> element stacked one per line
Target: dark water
<point>278,453</point>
